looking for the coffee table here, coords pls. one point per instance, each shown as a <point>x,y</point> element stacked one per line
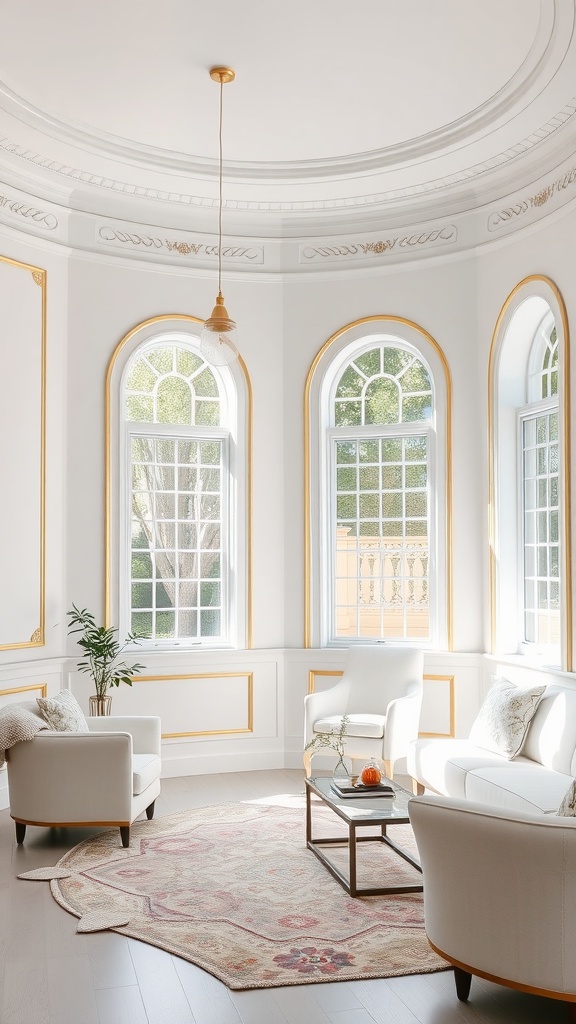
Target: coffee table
<point>360,813</point>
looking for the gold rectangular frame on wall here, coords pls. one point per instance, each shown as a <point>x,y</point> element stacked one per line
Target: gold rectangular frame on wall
<point>22,453</point>
<point>312,673</point>
<point>248,676</point>
<point>43,687</point>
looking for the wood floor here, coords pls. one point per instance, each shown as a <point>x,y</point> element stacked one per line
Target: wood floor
<point>51,975</point>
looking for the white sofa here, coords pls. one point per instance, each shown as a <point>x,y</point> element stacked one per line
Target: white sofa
<point>534,781</point>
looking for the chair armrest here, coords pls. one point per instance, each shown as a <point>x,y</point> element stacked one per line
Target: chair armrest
<point>71,776</point>
<point>402,723</point>
<point>326,702</point>
<point>496,887</point>
<point>144,729</point>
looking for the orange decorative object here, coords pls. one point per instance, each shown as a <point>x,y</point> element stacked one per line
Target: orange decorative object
<point>371,775</point>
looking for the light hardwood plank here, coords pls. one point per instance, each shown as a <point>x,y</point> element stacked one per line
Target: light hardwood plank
<point>209,999</point>
<point>24,993</point>
<point>70,993</point>
<point>121,1006</point>
<point>162,993</point>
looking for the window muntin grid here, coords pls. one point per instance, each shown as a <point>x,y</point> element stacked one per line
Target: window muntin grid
<point>380,548</point>
<point>549,369</point>
<point>178,519</point>
<point>541,535</point>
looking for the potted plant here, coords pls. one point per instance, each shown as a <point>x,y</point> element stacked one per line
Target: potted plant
<point>333,741</point>
<point>102,649</point>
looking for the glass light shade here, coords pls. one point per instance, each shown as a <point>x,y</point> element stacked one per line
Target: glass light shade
<point>218,338</point>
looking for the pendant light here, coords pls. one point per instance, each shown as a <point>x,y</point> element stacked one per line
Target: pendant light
<point>218,338</point>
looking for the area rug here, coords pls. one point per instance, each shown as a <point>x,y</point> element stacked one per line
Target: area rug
<point>233,889</point>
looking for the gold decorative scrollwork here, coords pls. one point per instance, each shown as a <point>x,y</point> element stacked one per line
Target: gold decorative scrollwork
<point>37,636</point>
<point>38,277</point>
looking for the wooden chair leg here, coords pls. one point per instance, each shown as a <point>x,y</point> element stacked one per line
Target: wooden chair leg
<point>389,770</point>
<point>417,788</point>
<point>20,832</point>
<point>571,1013</point>
<point>125,835</point>
<point>150,810</point>
<point>463,981</point>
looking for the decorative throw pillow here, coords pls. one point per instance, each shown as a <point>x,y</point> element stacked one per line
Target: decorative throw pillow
<point>63,712</point>
<point>502,722</point>
<point>567,808</point>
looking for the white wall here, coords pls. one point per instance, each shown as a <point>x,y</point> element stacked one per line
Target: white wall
<point>92,303</point>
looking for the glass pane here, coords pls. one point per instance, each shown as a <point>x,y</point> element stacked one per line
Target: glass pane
<point>210,623</point>
<point>414,409</point>
<point>368,506</point>
<point>205,384</point>
<point>207,414</point>
<point>395,360</point>
<point>210,453</point>
<point>391,451</point>
<point>347,479</point>
<point>345,452</point>
<point>188,362</point>
<point>541,429</point>
<point>542,493</point>
<point>382,403</point>
<point>553,426</point>
<point>165,625</point>
<point>391,505</point>
<point>417,528</point>
<point>346,507</point>
<point>369,363</point>
<point>162,358</point>
<point>529,433</point>
<point>542,561</point>
<point>210,564</point>
<point>209,595</point>
<point>416,504</point>
<point>141,622</point>
<point>416,378</point>
<point>415,476</point>
<point>350,384</point>
<point>174,401</point>
<point>369,478</point>
<point>141,595</point>
<point>348,413</point>
<point>187,536</point>
<point>163,598</point>
<point>139,409</point>
<point>415,449</point>
<point>369,451</point>
<point>542,461</point>
<point>188,594</point>
<point>141,565</point>
<point>392,477</point>
<point>141,377</point>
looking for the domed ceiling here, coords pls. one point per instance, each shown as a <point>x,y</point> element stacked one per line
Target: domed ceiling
<point>342,117</point>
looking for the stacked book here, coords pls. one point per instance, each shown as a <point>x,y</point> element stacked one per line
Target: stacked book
<point>344,788</point>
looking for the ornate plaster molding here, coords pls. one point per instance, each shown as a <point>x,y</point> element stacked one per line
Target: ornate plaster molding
<point>136,240</point>
<point>17,208</point>
<point>499,218</point>
<point>462,176</point>
<point>422,239</point>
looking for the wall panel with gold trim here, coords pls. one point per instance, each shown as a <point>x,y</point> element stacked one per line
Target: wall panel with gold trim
<point>22,453</point>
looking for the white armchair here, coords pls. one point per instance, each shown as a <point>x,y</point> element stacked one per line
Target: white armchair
<point>381,693</point>
<point>499,893</point>
<point>106,776</point>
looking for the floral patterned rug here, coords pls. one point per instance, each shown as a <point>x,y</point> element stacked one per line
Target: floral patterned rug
<point>234,889</point>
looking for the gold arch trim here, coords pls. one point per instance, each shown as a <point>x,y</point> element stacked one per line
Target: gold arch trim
<point>388,319</point>
<point>495,348</point>
<point>248,676</point>
<point>448,679</point>
<point>185,318</point>
<point>39,276</point>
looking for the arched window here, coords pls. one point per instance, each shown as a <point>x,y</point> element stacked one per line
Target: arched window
<point>181,497</point>
<point>530,556</point>
<point>378,561</point>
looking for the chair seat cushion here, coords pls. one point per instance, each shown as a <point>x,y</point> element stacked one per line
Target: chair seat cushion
<point>371,726</point>
<point>145,770</point>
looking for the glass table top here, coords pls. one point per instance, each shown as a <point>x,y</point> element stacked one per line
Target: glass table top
<point>375,808</point>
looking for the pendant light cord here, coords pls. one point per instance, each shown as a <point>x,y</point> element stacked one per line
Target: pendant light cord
<point>220,198</point>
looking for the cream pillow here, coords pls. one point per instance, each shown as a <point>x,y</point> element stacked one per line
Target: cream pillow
<point>567,808</point>
<point>502,722</point>
<point>63,712</point>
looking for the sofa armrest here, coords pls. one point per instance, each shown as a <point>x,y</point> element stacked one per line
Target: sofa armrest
<point>496,887</point>
<point>402,723</point>
<point>323,704</point>
<point>66,777</point>
<point>144,729</point>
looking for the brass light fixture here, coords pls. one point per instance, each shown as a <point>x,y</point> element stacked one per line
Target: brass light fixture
<point>218,338</point>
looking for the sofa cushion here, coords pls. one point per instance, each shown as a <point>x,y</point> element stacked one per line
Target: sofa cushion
<point>62,712</point>
<point>358,725</point>
<point>503,720</point>
<point>521,786</point>
<point>443,764</point>
<point>551,738</point>
<point>145,770</point>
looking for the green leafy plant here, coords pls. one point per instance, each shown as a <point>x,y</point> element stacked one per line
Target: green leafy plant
<point>331,740</point>
<point>102,649</point>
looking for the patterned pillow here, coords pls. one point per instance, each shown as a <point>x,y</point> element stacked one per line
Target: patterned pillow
<point>63,712</point>
<point>503,719</point>
<point>567,808</point>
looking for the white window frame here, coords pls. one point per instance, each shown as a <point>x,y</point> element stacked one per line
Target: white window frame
<point>320,493</point>
<point>517,349</point>
<point>236,429</point>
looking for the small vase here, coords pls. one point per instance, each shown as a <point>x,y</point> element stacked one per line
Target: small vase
<point>342,768</point>
<point>100,705</point>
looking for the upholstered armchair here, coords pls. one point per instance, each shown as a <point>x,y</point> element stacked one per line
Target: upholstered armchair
<point>499,894</point>
<point>381,693</point>
<point>106,776</point>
